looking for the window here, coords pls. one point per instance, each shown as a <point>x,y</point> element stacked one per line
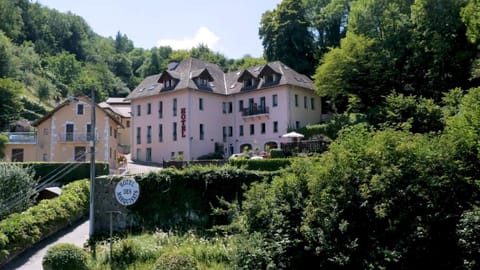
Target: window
<point>139,153</point>
<point>45,131</point>
<point>262,130</point>
<point>224,107</point>
<point>149,108</point>
<point>160,133</point>
<point>17,155</point>
<point>202,134</point>
<point>275,126</point>
<point>139,135</point>
<point>202,82</point>
<point>174,134</point>
<point>69,133</point>
<point>80,153</point>
<point>275,100</point>
<point>312,103</point>
<point>148,154</point>
<point>240,130</point>
<point>174,107</point>
<point>139,110</point>
<point>230,131</point>
<point>240,105</point>
<point>149,134</point>
<point>251,101</point>
<point>110,133</point>
<point>128,124</point>
<point>252,129</point>
<point>168,84</point>
<point>224,133</point>
<point>230,107</point>
<point>296,100</point>
<point>45,157</point>
<point>297,124</point>
<point>305,102</point>
<point>80,108</point>
<point>115,133</point>
<point>160,109</point>
<point>89,132</point>
<point>262,103</point>
<point>200,104</point>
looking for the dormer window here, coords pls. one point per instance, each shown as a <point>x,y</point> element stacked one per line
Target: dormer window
<point>202,82</point>
<point>249,80</point>
<point>203,79</point>
<point>168,84</point>
<point>270,76</point>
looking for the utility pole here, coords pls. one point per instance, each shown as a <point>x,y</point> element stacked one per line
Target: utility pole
<point>92,167</point>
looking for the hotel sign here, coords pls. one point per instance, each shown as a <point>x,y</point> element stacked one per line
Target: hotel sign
<point>127,191</point>
<point>183,118</point>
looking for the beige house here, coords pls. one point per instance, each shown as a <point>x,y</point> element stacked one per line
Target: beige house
<point>65,134</point>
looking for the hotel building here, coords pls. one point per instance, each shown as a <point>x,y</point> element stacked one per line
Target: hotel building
<point>194,108</point>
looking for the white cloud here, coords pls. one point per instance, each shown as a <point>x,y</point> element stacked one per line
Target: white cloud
<point>203,35</point>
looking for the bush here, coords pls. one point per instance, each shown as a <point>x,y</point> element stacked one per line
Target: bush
<point>22,230</point>
<point>65,257</point>
<point>61,170</point>
<point>17,185</point>
<point>175,261</point>
<point>269,164</point>
<point>277,153</point>
<point>130,251</point>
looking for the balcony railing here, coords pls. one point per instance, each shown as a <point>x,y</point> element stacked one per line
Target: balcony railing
<point>21,137</point>
<point>255,111</point>
<point>76,137</point>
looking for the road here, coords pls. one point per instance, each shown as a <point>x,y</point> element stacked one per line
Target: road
<point>31,259</point>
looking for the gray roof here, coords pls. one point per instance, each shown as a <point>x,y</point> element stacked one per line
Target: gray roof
<point>219,82</point>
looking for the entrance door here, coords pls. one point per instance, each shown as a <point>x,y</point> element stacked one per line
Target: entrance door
<point>69,132</point>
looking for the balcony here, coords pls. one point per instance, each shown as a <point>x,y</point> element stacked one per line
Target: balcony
<point>21,137</point>
<point>76,137</point>
<point>255,112</point>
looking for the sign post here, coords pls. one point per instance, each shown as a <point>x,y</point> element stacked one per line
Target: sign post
<point>127,192</point>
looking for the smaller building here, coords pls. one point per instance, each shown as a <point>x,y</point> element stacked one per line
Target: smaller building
<point>120,109</point>
<point>65,134</point>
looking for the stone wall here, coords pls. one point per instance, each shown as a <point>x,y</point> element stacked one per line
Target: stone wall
<point>105,203</point>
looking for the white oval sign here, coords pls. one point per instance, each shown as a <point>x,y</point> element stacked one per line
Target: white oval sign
<point>127,191</point>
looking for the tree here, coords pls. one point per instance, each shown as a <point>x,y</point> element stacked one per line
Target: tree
<point>328,19</point>
<point>442,56</point>
<point>286,37</point>
<point>8,64</point>
<point>11,22</point>
<point>11,106</point>
<point>122,43</point>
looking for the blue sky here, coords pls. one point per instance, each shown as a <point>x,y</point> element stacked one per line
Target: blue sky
<point>227,26</point>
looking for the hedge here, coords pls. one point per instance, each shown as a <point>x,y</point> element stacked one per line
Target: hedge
<point>79,170</point>
<point>20,231</point>
<point>269,164</point>
<point>185,199</point>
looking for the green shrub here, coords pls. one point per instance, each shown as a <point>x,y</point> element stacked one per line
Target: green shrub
<point>22,230</point>
<point>17,184</point>
<point>175,261</point>
<point>277,153</point>
<point>65,256</point>
<point>269,164</point>
<point>66,171</point>
<point>130,250</point>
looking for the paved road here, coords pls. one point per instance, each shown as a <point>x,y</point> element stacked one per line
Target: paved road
<point>31,259</point>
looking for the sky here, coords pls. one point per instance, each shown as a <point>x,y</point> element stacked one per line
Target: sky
<point>226,26</point>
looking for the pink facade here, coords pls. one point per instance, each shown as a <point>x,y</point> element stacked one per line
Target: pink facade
<point>229,111</point>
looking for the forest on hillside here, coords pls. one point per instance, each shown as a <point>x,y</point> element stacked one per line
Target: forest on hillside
<point>47,56</point>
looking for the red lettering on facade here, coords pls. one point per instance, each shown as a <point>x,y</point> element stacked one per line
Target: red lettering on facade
<point>183,117</point>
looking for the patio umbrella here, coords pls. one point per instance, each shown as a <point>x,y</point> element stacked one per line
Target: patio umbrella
<point>292,134</point>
